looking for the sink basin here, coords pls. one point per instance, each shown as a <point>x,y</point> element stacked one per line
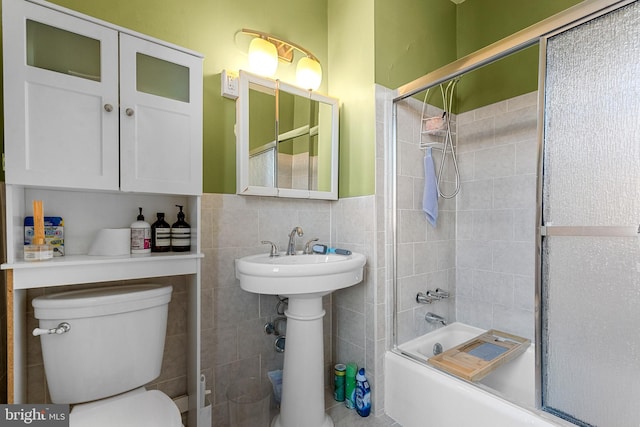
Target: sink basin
<point>299,274</point>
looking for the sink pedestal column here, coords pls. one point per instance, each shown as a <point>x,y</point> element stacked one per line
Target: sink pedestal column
<point>303,373</point>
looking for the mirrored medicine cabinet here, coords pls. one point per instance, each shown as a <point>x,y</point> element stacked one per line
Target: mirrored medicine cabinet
<point>287,140</point>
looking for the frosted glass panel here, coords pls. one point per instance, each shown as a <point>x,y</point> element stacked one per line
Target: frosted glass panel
<point>591,285</point>
<point>162,78</point>
<point>62,51</point>
<point>592,345</point>
<point>592,122</point>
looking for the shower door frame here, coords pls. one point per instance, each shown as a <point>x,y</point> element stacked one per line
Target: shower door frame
<point>535,34</point>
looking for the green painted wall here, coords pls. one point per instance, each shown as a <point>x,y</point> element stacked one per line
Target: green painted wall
<point>441,32</point>
<point>413,37</point>
<point>482,22</point>
<point>351,61</point>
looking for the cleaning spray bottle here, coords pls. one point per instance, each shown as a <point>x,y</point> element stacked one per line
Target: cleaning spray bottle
<point>140,236</point>
<point>180,234</point>
<point>363,394</point>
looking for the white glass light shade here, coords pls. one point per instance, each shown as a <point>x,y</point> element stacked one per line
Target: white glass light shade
<point>309,73</point>
<point>263,57</point>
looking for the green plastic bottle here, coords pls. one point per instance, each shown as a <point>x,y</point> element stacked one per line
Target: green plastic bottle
<point>350,386</point>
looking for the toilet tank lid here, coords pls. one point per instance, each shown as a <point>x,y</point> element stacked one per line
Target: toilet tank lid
<point>100,301</point>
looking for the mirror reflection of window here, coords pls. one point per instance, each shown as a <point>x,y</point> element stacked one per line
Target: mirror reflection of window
<point>294,141</point>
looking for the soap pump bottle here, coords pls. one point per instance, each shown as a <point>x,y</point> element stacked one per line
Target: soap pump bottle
<point>140,236</point>
<point>180,234</point>
<point>363,394</point>
<point>160,235</point>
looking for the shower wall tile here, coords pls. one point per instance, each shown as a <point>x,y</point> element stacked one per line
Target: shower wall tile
<point>490,111</point>
<point>425,254</point>
<point>474,254</point>
<point>514,257</point>
<point>495,162</point>
<point>496,216</point>
<point>493,225</point>
<point>476,195</point>
<point>406,189</point>
<point>492,287</point>
<point>425,258</point>
<point>524,293</point>
<point>476,135</point>
<point>517,125</point>
<point>515,192</point>
<point>464,282</point>
<point>526,157</point>
<point>527,100</point>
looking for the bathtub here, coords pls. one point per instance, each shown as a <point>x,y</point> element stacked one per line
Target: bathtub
<point>419,395</point>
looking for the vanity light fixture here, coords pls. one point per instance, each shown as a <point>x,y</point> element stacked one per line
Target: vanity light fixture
<point>265,50</point>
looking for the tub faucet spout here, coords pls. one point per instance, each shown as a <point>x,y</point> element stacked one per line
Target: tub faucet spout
<point>434,318</point>
<point>291,247</point>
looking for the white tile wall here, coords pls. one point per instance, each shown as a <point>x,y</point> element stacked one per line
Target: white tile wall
<point>233,340</point>
<point>483,246</point>
<point>495,245</point>
<point>425,255</point>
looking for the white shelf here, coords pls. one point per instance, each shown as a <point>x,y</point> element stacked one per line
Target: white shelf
<point>74,269</point>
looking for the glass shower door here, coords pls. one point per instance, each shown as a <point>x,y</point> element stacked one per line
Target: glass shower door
<point>591,212</point>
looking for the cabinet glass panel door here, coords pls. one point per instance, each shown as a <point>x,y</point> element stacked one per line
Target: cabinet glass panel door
<point>61,99</point>
<point>62,51</point>
<point>160,118</point>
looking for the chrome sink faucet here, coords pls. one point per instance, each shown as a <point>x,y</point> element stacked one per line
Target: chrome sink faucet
<point>291,247</point>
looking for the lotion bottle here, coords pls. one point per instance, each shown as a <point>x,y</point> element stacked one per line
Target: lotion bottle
<point>160,235</point>
<point>180,234</point>
<point>140,236</point>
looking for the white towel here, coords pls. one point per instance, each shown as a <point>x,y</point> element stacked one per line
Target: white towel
<point>430,195</point>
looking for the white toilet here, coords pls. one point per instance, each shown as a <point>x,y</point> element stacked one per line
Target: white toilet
<point>113,346</point>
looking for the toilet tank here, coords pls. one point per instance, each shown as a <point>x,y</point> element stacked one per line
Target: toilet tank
<point>115,343</point>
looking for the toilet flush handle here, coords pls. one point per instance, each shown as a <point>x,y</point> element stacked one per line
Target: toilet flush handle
<point>61,329</point>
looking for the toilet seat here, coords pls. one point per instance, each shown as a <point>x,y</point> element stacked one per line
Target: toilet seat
<point>137,408</point>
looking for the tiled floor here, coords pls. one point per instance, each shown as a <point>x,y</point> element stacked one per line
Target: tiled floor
<point>344,417</point>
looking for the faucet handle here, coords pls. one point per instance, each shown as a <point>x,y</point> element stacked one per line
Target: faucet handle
<point>442,293</point>
<point>274,247</point>
<point>307,246</point>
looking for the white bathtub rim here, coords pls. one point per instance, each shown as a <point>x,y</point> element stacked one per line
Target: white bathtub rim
<point>410,349</point>
<point>471,387</point>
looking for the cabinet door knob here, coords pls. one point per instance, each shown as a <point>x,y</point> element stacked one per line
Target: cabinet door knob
<point>108,108</point>
<point>129,112</point>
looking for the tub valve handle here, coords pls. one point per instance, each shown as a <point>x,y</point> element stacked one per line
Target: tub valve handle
<point>61,329</point>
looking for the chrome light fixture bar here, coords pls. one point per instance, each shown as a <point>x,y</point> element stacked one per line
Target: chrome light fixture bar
<point>266,49</point>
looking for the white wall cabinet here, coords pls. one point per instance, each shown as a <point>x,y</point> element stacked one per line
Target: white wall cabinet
<point>98,121</point>
<point>92,107</point>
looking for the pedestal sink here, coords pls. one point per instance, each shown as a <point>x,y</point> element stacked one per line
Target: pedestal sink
<point>304,279</point>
